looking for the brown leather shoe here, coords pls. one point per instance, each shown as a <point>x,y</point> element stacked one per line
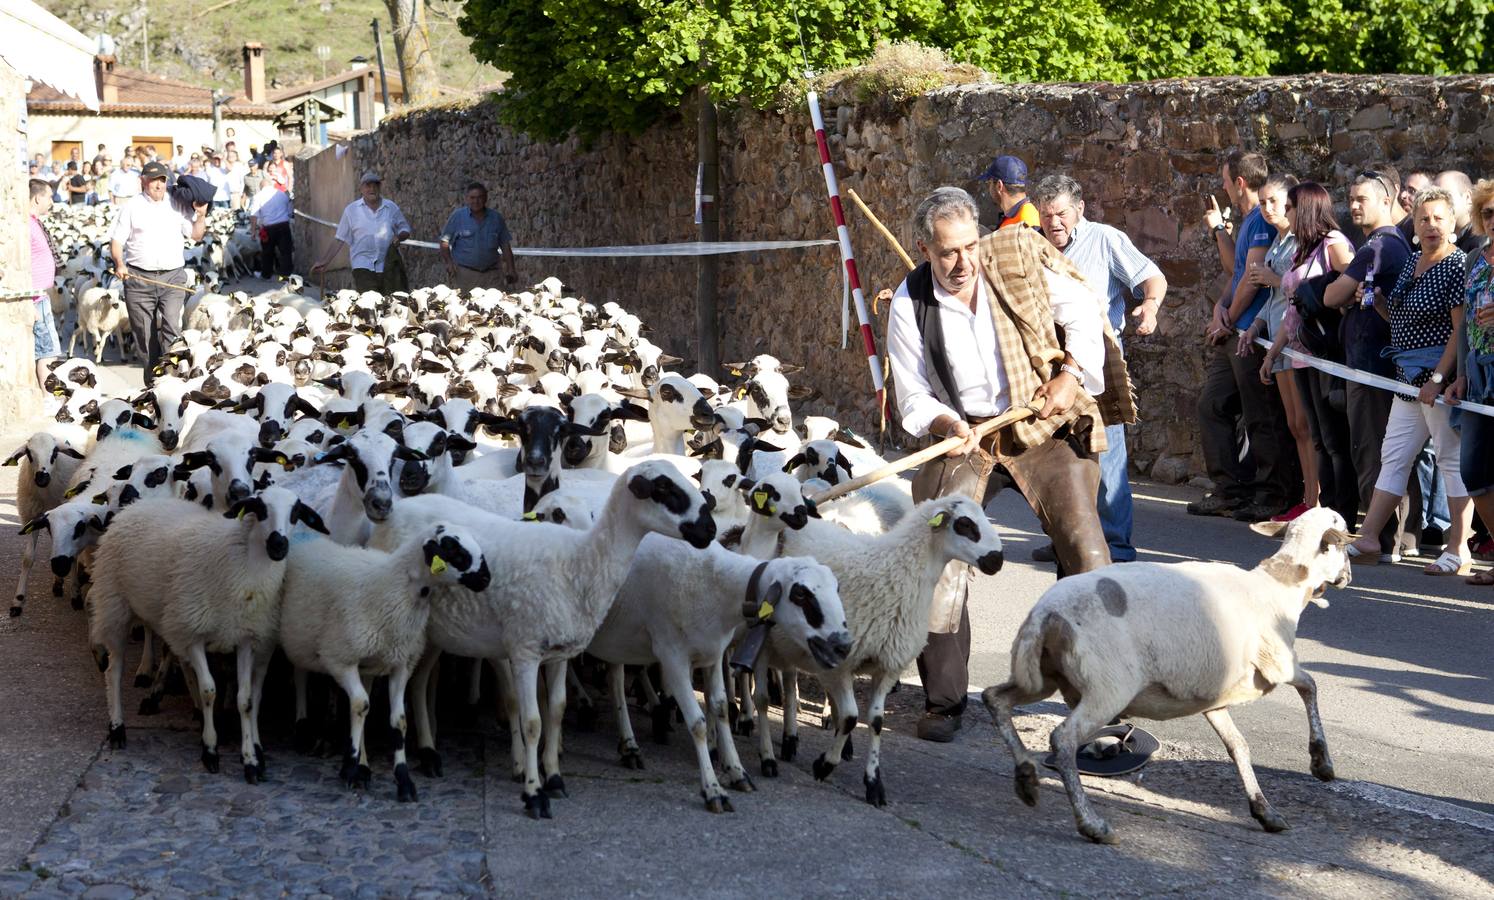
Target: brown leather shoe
<point>938,727</point>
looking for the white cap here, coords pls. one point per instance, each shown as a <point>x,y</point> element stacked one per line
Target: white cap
<point>369,176</point>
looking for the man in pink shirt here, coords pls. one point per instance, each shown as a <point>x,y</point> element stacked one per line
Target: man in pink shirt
<point>43,271</point>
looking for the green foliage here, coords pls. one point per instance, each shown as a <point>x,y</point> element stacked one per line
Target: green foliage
<point>587,66</point>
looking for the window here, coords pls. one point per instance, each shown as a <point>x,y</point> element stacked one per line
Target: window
<point>165,146</point>
<point>62,151</point>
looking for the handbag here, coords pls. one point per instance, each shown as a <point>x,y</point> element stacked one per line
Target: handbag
<point>1319,331</point>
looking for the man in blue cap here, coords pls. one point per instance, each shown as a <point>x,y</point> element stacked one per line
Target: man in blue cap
<point>1006,181</point>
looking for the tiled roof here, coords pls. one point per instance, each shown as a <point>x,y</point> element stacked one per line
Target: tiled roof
<point>143,93</point>
<point>280,95</point>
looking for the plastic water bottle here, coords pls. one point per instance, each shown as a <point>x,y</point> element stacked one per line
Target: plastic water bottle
<point>1367,289</point>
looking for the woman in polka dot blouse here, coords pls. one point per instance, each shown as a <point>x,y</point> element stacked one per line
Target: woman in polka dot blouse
<point>1425,311</point>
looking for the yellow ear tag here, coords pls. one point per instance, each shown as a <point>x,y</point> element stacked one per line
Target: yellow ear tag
<point>240,515</point>
<point>740,393</point>
<point>760,498</point>
<point>531,516</point>
<point>765,610</point>
<point>280,458</point>
<point>937,520</point>
<point>438,565</point>
<point>736,373</point>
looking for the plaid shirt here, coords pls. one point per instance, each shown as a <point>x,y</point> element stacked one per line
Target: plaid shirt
<point>1012,260</point>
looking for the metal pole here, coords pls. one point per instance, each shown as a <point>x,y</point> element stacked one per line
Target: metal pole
<point>707,332</point>
<point>217,118</point>
<point>379,55</point>
<point>832,186</point>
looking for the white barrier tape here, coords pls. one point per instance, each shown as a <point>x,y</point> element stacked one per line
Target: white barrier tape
<point>684,248</point>
<point>1359,376</point>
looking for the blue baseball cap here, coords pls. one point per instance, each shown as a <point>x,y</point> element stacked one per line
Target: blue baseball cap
<point>1006,169</point>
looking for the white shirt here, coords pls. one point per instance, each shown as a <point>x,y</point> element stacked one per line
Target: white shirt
<point>124,183</point>
<point>218,179</point>
<point>271,206</point>
<point>369,232</point>
<point>236,173</point>
<point>974,355</point>
<point>152,233</point>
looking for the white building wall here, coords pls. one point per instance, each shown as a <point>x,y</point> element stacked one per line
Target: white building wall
<point>118,132</point>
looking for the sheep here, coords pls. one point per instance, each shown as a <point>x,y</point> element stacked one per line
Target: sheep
<point>557,586</point>
<point>675,407</point>
<point>365,491</point>
<point>869,510</point>
<point>682,610</point>
<point>101,312</point>
<point>887,584</point>
<point>217,589</point>
<point>354,613</point>
<point>47,461</point>
<point>1166,640</point>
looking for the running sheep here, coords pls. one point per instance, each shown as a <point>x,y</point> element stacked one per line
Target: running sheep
<point>1167,640</point>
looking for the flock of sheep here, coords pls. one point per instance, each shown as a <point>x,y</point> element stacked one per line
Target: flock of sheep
<point>368,482</point>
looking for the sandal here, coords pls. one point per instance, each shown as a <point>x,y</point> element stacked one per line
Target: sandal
<point>1363,557</point>
<point>1448,564</point>
<point>1481,579</point>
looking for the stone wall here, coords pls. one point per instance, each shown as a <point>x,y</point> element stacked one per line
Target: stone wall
<point>1147,155</point>
<point>19,398</point>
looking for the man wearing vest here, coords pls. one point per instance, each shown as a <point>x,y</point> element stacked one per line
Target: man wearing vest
<point>1006,180</point>
<point>974,331</point>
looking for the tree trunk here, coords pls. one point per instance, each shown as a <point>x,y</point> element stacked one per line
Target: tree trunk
<point>412,50</point>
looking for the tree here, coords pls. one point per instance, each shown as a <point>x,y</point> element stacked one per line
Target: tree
<point>412,50</point>
<point>587,66</point>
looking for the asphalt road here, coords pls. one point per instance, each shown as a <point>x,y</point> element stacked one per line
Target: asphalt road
<point>1402,660</point>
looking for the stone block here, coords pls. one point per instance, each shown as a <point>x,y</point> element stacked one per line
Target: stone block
<point>1152,229</point>
<point>1372,118</point>
<point>1291,131</point>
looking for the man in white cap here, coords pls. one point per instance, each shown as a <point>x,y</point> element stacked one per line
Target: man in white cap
<point>371,228</point>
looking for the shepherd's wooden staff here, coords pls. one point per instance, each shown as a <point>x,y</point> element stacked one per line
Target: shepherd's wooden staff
<point>131,276</point>
<point>912,460</point>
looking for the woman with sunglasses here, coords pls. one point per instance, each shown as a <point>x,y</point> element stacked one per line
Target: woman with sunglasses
<point>1425,311</point>
<point>1475,380</point>
<point>1320,430</point>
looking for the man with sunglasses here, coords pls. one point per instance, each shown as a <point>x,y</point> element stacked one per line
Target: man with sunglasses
<point>1375,268</point>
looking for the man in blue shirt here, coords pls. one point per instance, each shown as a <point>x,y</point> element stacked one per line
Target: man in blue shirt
<point>473,239</point>
<point>1114,268</point>
<point>1232,390</point>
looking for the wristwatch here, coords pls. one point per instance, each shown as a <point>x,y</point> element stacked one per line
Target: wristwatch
<point>1075,371</point>
<point>1218,228</point>
<point>1438,378</point>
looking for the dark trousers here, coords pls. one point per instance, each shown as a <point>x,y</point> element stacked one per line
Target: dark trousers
<point>276,251</point>
<point>1233,397</point>
<point>1327,400</point>
<point>384,282</point>
<point>1369,409</point>
<point>155,313</point>
<point>1060,481</point>
<point>1218,421</point>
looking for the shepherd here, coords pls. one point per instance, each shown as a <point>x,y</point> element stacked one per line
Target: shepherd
<point>982,326</point>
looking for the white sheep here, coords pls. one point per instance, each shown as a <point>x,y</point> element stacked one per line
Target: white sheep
<point>47,462</point>
<point>1166,640</point>
<point>887,585</point>
<point>215,587</point>
<point>355,613</point>
<point>682,610</point>
<point>555,588</point>
<point>101,313</point>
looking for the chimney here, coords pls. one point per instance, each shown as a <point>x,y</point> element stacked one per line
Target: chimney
<point>254,72</point>
<point>103,77</point>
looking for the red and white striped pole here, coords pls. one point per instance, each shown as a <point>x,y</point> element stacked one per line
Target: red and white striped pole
<point>846,256</point>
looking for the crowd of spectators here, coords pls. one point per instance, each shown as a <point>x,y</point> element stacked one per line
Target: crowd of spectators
<point>1402,290</point>
<point>109,179</point>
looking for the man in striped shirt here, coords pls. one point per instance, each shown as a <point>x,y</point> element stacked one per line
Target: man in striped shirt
<point>1114,268</point>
